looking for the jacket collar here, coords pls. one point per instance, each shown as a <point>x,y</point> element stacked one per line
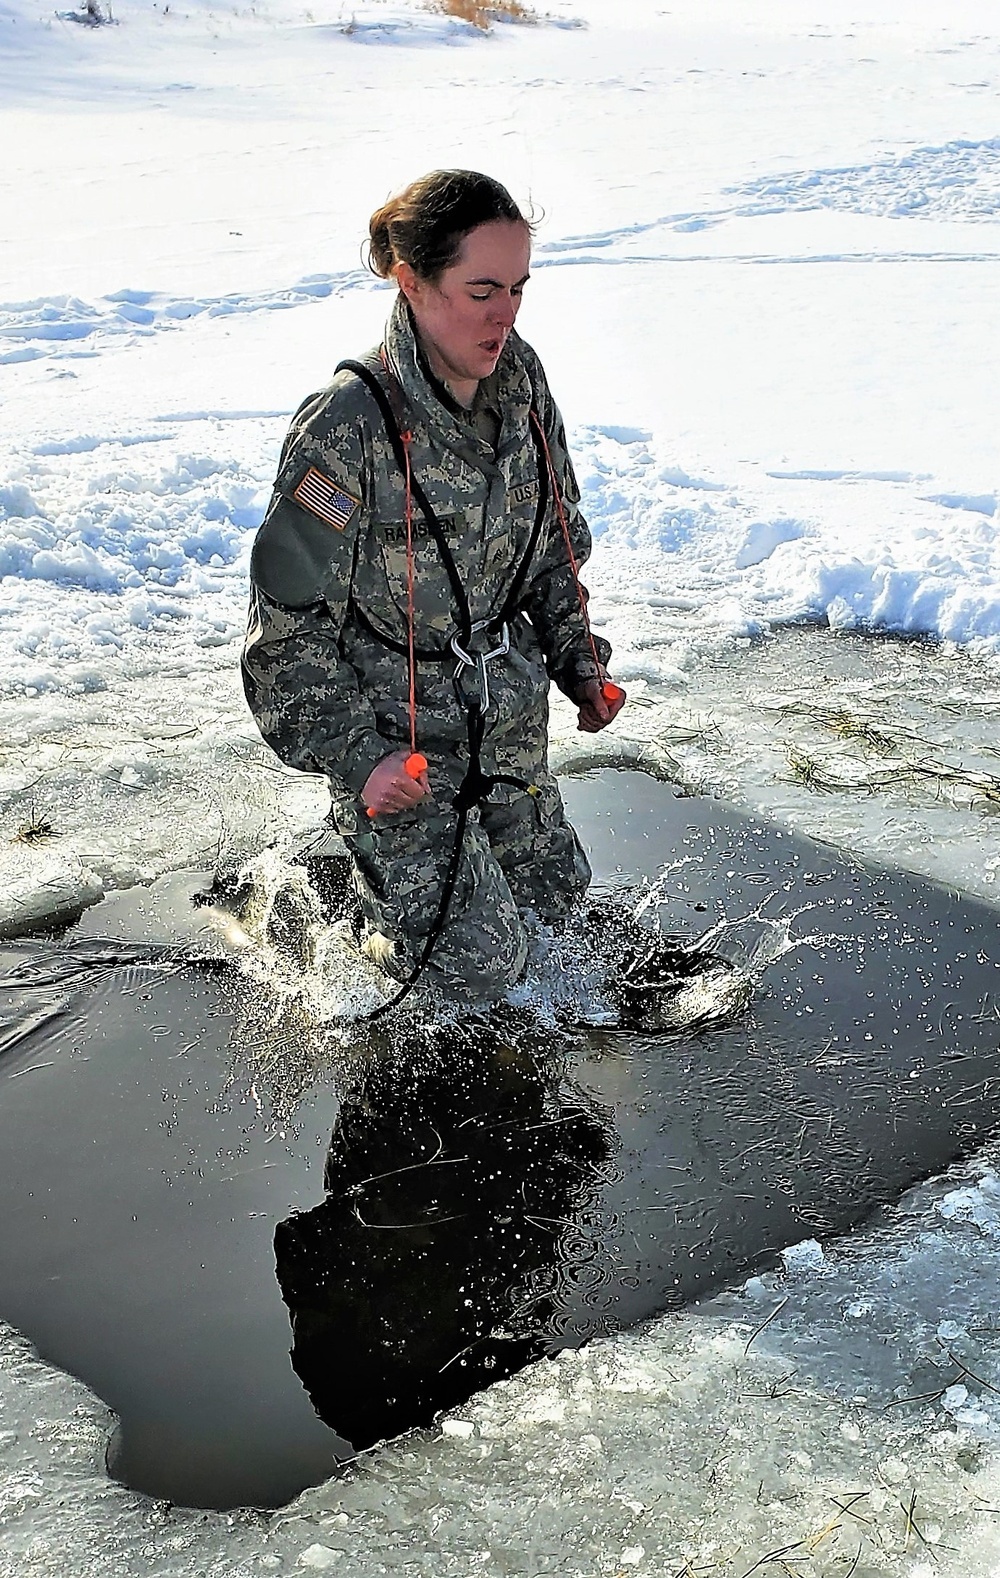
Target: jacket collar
<point>508,387</point>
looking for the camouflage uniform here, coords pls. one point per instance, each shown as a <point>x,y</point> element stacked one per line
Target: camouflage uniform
<point>330,698</point>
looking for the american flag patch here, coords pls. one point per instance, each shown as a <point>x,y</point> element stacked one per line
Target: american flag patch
<point>323,497</point>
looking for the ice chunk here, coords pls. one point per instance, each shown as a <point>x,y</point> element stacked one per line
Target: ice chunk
<point>806,1256</point>
<point>463,1429</point>
<point>319,1557</point>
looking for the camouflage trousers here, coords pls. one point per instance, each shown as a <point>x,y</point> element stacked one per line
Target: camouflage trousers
<point>518,854</point>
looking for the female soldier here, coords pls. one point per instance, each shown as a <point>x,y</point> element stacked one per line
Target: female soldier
<point>414,591</point>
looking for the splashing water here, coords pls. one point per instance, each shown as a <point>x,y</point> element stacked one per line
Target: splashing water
<point>612,969</point>
<point>612,965</point>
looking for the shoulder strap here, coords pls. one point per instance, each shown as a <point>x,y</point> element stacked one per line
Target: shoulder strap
<point>393,426</point>
<point>513,597</point>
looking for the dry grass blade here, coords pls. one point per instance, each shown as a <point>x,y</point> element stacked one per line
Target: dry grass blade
<point>706,736</point>
<point>37,830</point>
<point>775,1556</point>
<point>908,1510</point>
<point>482,15</point>
<point>916,1397</point>
<point>848,1506</point>
<point>830,1527</point>
<point>969,1375</point>
<point>765,1323</point>
<point>808,770</point>
<point>984,787</point>
<point>852,726</point>
<point>847,727</point>
<point>773,1390</point>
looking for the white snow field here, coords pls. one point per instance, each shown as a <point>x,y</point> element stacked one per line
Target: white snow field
<point>766,288</point>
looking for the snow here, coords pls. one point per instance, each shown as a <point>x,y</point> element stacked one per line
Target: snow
<point>765,287</point>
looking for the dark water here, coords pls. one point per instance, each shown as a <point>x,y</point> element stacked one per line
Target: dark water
<point>447,1206</point>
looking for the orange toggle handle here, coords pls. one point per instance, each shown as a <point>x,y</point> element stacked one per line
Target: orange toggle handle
<point>611,692</point>
<point>414,765</point>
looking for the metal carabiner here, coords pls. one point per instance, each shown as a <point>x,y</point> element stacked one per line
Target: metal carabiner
<point>479,660</point>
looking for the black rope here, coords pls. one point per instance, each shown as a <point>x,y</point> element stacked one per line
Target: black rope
<point>476,786</point>
<point>425,654</point>
<point>374,385</point>
<point>433,935</point>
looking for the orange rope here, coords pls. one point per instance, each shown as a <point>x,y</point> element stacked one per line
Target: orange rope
<point>557,495</point>
<point>407,439</point>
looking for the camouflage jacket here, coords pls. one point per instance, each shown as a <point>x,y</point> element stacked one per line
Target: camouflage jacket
<point>329,565</point>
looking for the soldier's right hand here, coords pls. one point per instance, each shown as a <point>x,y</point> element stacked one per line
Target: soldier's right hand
<point>389,786</point>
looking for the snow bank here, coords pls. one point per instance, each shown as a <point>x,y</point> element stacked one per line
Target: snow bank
<point>104,539</point>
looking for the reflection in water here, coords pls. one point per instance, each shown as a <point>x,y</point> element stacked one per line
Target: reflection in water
<point>456,1170</point>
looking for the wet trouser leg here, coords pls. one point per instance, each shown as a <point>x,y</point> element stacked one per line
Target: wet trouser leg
<point>536,848</point>
<point>518,853</point>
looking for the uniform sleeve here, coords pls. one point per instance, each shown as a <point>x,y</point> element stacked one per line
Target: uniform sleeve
<point>304,697</point>
<point>552,600</point>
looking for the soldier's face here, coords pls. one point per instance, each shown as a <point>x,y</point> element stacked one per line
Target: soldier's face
<point>464,317</point>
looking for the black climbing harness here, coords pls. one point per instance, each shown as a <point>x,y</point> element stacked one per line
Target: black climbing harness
<point>466,644</point>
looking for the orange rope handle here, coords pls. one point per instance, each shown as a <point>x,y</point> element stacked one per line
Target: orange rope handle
<point>571,556</point>
<point>415,764</point>
<point>407,439</point>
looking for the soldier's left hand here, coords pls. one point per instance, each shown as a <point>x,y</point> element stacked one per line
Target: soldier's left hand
<point>595,711</point>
